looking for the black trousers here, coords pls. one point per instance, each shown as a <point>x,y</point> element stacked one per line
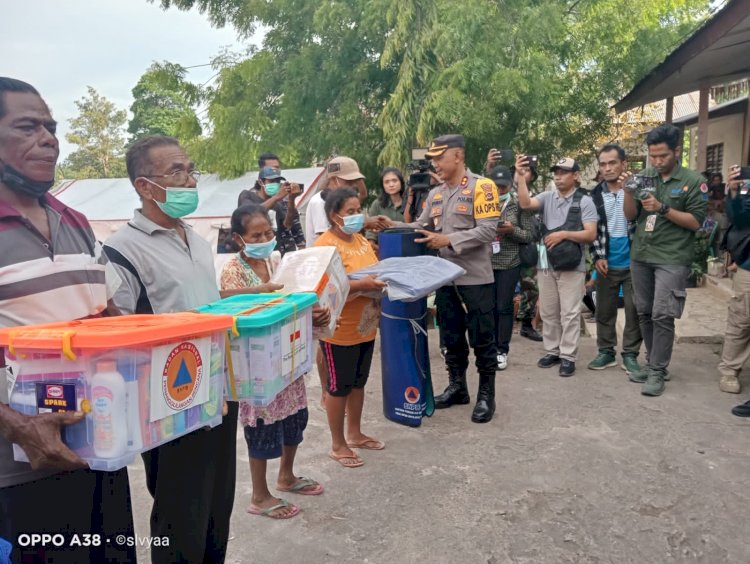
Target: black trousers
<point>505,292</point>
<point>82,502</point>
<point>478,318</point>
<point>192,482</point>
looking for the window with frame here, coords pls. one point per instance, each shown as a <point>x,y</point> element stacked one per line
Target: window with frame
<point>715,157</point>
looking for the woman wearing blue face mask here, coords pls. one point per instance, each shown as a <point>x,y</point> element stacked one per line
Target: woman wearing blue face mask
<point>275,430</point>
<point>348,353</point>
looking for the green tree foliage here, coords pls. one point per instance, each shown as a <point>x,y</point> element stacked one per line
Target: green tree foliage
<point>98,131</point>
<point>163,104</point>
<point>373,78</point>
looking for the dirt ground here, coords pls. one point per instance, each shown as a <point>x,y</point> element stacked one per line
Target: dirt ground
<point>583,469</point>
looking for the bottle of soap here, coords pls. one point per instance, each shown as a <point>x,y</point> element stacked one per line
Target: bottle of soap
<point>109,410</point>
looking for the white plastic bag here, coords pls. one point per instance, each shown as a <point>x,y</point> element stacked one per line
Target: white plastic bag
<point>409,279</point>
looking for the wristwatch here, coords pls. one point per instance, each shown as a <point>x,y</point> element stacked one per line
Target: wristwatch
<point>664,209</point>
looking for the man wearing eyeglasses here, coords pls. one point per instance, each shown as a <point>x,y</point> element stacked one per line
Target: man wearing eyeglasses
<point>165,267</point>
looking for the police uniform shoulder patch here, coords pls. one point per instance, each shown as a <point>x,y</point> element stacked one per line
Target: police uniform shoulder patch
<point>704,188</point>
<point>485,200</point>
<point>489,190</point>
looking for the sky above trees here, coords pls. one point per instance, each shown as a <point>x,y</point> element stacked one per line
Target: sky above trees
<point>63,47</point>
<point>366,78</point>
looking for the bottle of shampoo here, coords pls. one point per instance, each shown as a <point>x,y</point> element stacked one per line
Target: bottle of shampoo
<point>109,407</point>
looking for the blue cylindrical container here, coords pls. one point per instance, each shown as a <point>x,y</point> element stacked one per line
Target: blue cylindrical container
<point>405,358</point>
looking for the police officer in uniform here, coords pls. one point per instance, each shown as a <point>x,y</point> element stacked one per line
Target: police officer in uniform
<point>459,219</point>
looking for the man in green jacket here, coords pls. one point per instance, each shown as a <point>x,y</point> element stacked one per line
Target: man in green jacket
<point>668,204</point>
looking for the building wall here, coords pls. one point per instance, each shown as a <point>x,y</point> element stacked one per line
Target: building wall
<point>727,130</point>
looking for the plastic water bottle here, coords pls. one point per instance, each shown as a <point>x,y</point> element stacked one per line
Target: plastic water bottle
<point>109,407</point>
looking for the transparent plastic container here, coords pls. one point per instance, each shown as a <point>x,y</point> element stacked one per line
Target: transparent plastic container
<point>271,344</point>
<point>166,371</point>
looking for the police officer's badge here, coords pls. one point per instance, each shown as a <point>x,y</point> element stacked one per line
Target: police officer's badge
<point>487,189</point>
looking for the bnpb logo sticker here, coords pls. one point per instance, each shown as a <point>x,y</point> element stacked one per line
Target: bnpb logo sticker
<point>182,375</point>
<point>411,394</point>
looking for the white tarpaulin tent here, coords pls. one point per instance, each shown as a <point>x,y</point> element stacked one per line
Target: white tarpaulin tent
<point>109,203</point>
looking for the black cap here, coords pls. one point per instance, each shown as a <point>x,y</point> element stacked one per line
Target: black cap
<point>441,144</point>
<point>501,176</point>
<point>270,173</point>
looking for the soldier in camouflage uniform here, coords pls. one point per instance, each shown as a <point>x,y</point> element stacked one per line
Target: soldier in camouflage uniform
<point>527,307</point>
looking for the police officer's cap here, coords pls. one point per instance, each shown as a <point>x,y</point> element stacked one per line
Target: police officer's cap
<point>441,144</point>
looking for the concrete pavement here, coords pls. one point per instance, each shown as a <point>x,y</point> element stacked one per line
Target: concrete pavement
<point>583,469</point>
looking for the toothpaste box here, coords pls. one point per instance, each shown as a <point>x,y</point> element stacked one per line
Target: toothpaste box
<point>319,270</point>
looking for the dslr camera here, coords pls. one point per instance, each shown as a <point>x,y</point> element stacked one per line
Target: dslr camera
<point>419,178</point>
<point>641,186</point>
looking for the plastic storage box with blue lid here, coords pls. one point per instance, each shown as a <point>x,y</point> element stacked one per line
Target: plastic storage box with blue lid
<point>141,380</point>
<point>271,343</point>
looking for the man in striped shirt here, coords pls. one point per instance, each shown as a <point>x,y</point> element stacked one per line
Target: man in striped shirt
<point>611,253</point>
<point>51,269</point>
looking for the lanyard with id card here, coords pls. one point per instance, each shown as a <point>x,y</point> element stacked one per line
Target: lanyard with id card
<point>496,246</point>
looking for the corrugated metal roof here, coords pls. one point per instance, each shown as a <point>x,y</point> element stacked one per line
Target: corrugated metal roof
<point>656,112</point>
<point>112,199</point>
<point>715,54</point>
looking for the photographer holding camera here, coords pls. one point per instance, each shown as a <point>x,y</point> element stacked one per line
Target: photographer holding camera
<point>569,221</point>
<point>279,197</point>
<point>736,350</point>
<point>421,180</point>
<point>514,229</point>
<point>527,310</point>
<point>668,204</point>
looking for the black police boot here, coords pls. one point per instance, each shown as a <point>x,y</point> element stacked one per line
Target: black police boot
<point>485,407</point>
<point>456,393</point>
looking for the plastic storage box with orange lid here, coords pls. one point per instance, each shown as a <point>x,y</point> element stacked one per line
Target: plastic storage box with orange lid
<point>142,380</point>
<point>271,343</point>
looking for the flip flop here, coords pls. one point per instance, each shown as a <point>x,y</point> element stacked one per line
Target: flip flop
<point>302,483</point>
<point>340,459</point>
<point>267,512</point>
<point>368,444</point>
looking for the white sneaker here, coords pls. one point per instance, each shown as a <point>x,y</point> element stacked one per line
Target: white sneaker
<point>502,361</point>
<point>729,384</point>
